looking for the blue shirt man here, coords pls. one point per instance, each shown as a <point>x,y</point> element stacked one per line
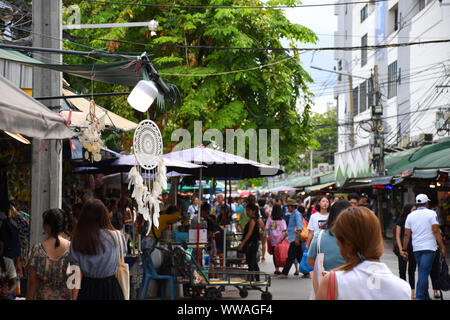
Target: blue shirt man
<point>295,226</point>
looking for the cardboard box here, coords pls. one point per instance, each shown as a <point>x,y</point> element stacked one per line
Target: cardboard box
<point>193,235</point>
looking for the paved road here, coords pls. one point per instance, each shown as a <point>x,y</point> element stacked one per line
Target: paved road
<point>297,288</point>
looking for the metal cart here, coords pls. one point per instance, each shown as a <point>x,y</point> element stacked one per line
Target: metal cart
<point>209,283</point>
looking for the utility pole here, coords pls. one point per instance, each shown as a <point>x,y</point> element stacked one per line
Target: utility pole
<point>378,146</point>
<point>352,128</point>
<point>46,170</point>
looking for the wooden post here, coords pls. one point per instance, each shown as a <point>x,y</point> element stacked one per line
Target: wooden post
<point>46,170</point>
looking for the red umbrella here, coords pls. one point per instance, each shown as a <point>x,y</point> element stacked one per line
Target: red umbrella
<point>245,193</point>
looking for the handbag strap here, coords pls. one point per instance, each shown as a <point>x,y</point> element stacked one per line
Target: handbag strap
<point>318,241</point>
<point>119,245</point>
<point>331,285</point>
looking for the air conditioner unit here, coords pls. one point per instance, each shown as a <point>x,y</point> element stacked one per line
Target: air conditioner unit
<point>425,138</point>
<point>404,141</point>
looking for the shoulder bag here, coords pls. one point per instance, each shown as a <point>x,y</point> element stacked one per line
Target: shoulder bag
<point>319,270</point>
<point>331,286</point>
<point>123,271</point>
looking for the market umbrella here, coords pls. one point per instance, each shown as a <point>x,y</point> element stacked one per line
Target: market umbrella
<point>223,165</point>
<point>114,180</point>
<point>245,193</point>
<point>124,163</point>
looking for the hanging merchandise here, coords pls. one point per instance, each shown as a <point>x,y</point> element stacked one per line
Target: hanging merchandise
<point>148,150</point>
<point>91,136</point>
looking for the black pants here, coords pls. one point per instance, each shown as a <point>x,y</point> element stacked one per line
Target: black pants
<point>295,252</point>
<point>411,265</point>
<point>100,289</point>
<point>251,257</point>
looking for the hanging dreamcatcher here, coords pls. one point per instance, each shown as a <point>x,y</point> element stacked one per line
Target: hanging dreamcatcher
<point>90,138</point>
<point>148,176</point>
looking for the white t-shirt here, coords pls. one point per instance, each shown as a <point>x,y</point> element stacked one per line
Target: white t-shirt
<point>317,222</point>
<point>420,223</point>
<point>193,210</point>
<point>10,272</point>
<point>371,280</point>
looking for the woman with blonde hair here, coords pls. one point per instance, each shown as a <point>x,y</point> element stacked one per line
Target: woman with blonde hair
<point>363,276</point>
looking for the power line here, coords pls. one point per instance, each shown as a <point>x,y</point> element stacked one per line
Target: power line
<point>373,47</point>
<point>70,52</point>
<point>176,6</point>
<point>368,120</point>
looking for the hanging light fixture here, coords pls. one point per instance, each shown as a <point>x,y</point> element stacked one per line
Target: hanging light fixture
<point>143,95</point>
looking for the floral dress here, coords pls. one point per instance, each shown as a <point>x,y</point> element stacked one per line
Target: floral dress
<point>51,273</point>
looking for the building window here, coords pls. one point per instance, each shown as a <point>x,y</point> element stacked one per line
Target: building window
<point>393,19</point>
<point>355,100</point>
<point>392,80</point>
<point>422,4</point>
<point>364,13</point>
<point>363,97</point>
<point>370,92</point>
<point>363,51</point>
<point>340,69</point>
<point>396,18</point>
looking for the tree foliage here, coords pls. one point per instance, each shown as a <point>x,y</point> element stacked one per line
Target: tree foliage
<point>265,97</point>
<point>325,137</point>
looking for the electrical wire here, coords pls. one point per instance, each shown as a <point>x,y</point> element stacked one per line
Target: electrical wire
<point>350,48</point>
<point>176,6</point>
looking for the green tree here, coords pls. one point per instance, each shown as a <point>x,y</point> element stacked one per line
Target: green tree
<point>325,138</point>
<point>264,97</point>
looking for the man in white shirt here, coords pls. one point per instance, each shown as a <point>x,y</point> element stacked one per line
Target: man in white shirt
<point>422,226</point>
<point>193,208</point>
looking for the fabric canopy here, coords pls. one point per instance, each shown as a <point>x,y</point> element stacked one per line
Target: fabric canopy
<point>282,189</point>
<point>111,119</point>
<point>122,72</point>
<point>20,113</point>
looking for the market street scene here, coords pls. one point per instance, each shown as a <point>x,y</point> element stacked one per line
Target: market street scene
<point>232,150</point>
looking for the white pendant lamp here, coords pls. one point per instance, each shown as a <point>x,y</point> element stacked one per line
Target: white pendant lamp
<point>143,95</point>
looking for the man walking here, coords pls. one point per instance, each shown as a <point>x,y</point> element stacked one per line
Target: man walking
<point>422,226</point>
<point>294,229</point>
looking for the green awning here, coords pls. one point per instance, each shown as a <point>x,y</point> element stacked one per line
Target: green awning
<point>319,187</point>
<point>382,181</point>
<point>430,156</point>
<point>327,178</point>
<point>425,174</point>
<point>357,183</point>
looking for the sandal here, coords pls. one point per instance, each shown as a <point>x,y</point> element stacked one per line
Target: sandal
<point>437,296</point>
<point>296,273</point>
<point>277,272</point>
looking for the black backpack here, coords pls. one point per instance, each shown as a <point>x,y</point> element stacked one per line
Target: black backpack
<point>443,281</point>
<point>116,220</point>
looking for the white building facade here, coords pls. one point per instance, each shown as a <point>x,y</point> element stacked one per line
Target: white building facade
<point>413,79</point>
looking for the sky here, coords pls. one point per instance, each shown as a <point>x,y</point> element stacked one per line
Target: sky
<point>323,22</point>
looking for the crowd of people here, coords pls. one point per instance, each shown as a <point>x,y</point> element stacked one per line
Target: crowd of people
<point>345,235</point>
<point>342,239</point>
